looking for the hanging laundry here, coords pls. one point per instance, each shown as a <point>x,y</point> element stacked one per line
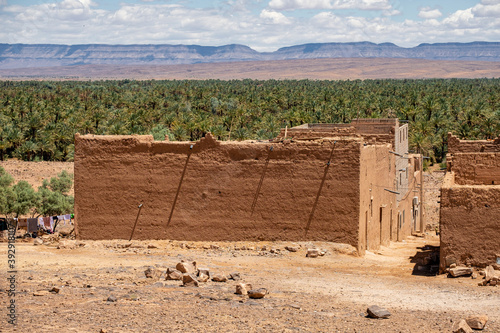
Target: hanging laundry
<point>22,222</point>
<point>40,221</point>
<point>32,225</point>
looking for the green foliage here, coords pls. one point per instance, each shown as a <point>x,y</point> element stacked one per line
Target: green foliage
<point>62,183</point>
<point>24,199</point>
<point>38,120</point>
<point>52,195</point>
<point>21,199</point>
<point>5,178</point>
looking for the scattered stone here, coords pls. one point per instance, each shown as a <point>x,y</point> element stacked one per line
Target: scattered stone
<point>460,271</point>
<point>202,277</point>
<point>112,298</point>
<point>312,253</point>
<point>235,276</point>
<point>462,327</point>
<point>152,273</point>
<point>205,271</point>
<point>173,274</point>
<point>187,267</point>
<point>243,288</point>
<point>291,248</point>
<point>257,293</point>
<point>103,330</point>
<point>66,244</point>
<point>474,276</point>
<point>453,265</point>
<point>55,290</point>
<point>376,311</point>
<point>152,246</point>
<point>189,280</point>
<point>490,274</point>
<point>477,322</point>
<point>123,246</point>
<point>41,293</point>
<point>274,250</point>
<point>219,278</point>
<point>38,241</point>
<point>214,247</point>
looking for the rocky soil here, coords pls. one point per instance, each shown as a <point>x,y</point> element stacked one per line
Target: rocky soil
<point>101,286</point>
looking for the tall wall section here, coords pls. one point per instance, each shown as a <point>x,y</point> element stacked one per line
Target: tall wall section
<point>470,203</point>
<point>469,224</point>
<point>212,190</point>
<point>376,203</point>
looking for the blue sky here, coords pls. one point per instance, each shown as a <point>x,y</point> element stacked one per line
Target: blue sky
<point>264,25</point>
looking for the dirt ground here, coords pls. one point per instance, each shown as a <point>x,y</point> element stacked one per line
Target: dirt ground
<point>325,294</point>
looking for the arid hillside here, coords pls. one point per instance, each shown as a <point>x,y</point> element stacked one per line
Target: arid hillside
<point>315,69</point>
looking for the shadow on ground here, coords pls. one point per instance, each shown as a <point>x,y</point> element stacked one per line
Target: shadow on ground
<point>426,261</point>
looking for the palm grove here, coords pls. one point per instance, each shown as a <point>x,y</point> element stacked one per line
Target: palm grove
<point>38,119</point>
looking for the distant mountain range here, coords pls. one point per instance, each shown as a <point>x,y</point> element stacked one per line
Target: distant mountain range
<point>48,55</point>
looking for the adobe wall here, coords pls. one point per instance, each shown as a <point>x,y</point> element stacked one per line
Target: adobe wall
<point>376,204</point>
<point>476,168</point>
<point>469,224</point>
<point>455,145</point>
<point>230,190</point>
<point>373,131</point>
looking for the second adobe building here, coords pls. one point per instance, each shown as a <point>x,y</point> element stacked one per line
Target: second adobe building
<point>347,183</point>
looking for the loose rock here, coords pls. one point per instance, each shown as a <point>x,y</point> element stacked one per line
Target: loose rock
<point>38,241</point>
<point>112,298</point>
<point>460,271</point>
<point>173,274</point>
<point>243,288</point>
<point>376,311</point>
<point>219,278</point>
<point>462,327</point>
<point>312,253</point>
<point>291,248</point>
<point>186,267</point>
<point>202,277</point>
<point>189,280</point>
<point>490,274</point>
<point>235,276</point>
<point>152,273</point>
<point>257,293</point>
<point>205,271</point>
<point>477,322</point>
<point>55,290</point>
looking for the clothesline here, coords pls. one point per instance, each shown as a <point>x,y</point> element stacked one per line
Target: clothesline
<point>46,222</point>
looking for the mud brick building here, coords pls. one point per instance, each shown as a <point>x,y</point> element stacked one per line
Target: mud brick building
<point>348,183</point>
<point>470,203</point>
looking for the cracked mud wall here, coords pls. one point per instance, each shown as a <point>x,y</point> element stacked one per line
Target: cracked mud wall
<point>230,190</point>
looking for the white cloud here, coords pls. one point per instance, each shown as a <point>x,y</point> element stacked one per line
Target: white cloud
<point>274,17</point>
<point>429,13</point>
<point>329,4</point>
<point>260,27</point>
<point>3,2</point>
<point>489,9</point>
<point>490,2</point>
